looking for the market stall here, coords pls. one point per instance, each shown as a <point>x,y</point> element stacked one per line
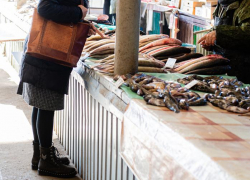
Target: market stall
<point>114,131</point>
<point>102,123</point>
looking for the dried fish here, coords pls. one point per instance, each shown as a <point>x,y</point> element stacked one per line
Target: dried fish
<point>109,46</point>
<point>152,37</point>
<point>170,104</point>
<point>184,104</point>
<point>151,69</point>
<point>212,70</point>
<point>198,102</point>
<point>171,51</point>
<point>236,109</point>
<point>161,42</point>
<point>156,102</point>
<point>188,56</point>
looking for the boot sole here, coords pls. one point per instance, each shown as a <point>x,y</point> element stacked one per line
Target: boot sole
<point>47,173</point>
<point>34,167</point>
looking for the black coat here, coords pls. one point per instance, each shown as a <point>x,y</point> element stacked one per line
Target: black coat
<point>233,37</point>
<point>42,73</point>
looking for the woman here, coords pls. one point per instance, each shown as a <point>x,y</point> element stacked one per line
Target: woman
<point>231,36</point>
<point>43,85</point>
<point>109,8</point>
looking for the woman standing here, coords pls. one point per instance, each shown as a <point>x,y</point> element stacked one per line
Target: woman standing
<point>109,8</point>
<point>230,36</point>
<point>43,85</point>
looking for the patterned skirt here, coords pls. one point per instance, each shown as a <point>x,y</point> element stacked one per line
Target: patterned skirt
<point>42,98</point>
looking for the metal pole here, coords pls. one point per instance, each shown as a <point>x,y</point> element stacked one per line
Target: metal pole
<point>127,36</point>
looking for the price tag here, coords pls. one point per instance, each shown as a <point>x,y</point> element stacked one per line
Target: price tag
<point>191,84</point>
<point>170,63</point>
<point>119,82</point>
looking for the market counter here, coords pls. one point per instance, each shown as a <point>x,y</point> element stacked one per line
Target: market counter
<point>111,136</point>
<point>89,127</point>
<point>202,143</point>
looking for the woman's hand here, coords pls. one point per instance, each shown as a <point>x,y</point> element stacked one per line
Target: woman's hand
<point>208,40</point>
<point>84,11</point>
<point>208,48</point>
<point>92,30</point>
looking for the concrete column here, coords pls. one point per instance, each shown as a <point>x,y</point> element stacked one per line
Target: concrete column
<point>127,36</point>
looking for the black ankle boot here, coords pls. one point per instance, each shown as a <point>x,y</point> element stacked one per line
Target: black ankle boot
<point>36,157</point>
<point>49,166</point>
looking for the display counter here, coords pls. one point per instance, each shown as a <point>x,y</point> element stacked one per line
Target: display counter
<point>110,135</point>
<point>202,143</point>
<point>90,125</point>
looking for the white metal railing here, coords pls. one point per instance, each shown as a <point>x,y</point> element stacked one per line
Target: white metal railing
<point>91,135</point>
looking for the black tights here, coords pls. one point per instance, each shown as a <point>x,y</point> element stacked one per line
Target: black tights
<point>42,126</point>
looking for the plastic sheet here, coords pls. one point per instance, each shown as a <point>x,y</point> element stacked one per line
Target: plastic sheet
<point>202,143</point>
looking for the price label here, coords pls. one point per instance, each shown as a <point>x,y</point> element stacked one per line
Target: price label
<point>119,82</point>
<point>170,63</point>
<point>191,84</point>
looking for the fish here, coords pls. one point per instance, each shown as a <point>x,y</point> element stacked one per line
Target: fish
<point>161,42</point>
<point>183,81</point>
<point>108,51</point>
<point>150,63</point>
<point>185,64</point>
<point>146,81</point>
<point>95,37</point>
<point>99,44</point>
<point>171,51</point>
<point>140,92</point>
<point>200,86</point>
<point>152,37</point>
<point>212,70</point>
<point>146,51</point>
<point>156,102</point>
<point>133,86</point>
<point>109,57</point>
<point>110,32</point>
<point>203,64</point>
<point>145,43</point>
<point>100,56</point>
<point>219,103</point>
<point>153,48</point>
<point>157,85</point>
<point>198,102</point>
<point>151,69</point>
<point>184,104</point>
<point>89,44</point>
<point>232,101</point>
<point>160,50</point>
<point>175,56</point>
<point>188,56</point>
<point>170,104</point>
<point>243,104</point>
<point>236,109</point>
<point>110,46</point>
<point>193,61</point>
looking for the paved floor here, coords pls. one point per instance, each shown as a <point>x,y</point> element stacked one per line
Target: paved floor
<point>15,131</point>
